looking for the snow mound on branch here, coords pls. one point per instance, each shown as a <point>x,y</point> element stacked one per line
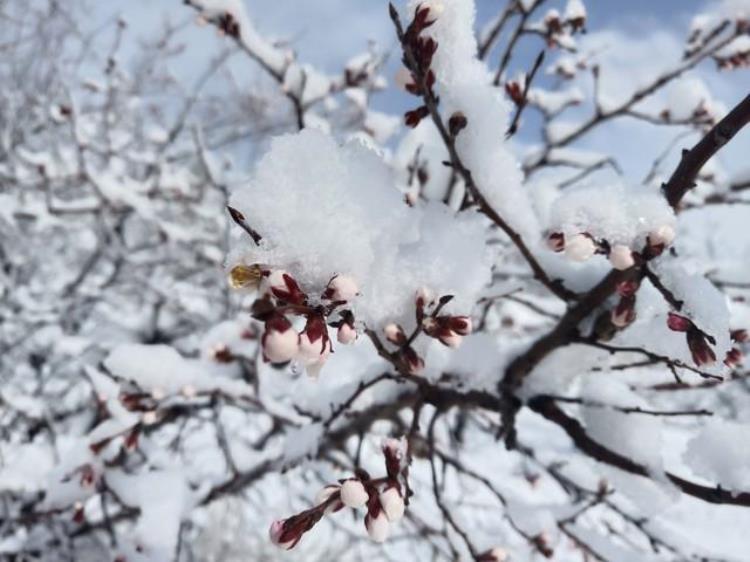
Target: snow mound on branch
<point>465,84</point>
<point>618,213</point>
<point>721,453</point>
<point>325,209</point>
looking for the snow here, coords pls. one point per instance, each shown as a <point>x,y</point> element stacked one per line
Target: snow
<point>720,452</point>
<point>616,212</point>
<point>389,249</point>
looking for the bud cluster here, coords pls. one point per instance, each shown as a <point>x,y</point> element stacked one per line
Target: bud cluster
<point>447,329</point>
<point>421,78</point>
<point>557,27</point>
<point>282,298</point>
<point>383,499</point>
<point>582,246</point>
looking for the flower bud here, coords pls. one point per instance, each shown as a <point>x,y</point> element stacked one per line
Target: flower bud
<point>621,257</point>
<point>580,247</point>
<point>346,334</point>
<point>394,334</point>
<point>739,336</point>
<point>624,313</point>
<point>457,123</point>
<point>662,236</point>
<point>699,349</point>
<point>462,325</point>
<point>392,503</point>
<point>341,288</point>
<point>733,358</point>
<point>353,493</point>
<point>377,526</point>
<point>280,342</point>
<point>556,241</point>
<point>678,323</point>
<point>279,537</point>
<point>497,554</point>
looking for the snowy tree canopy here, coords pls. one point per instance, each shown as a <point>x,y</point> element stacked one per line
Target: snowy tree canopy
<point>478,292</point>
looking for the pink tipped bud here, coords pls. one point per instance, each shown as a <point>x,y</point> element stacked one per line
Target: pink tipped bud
<point>462,325</point>
<point>621,257</point>
<point>414,363</point>
<point>378,527</point>
<point>497,554</point>
<point>624,313</point>
<point>392,503</point>
<point>425,297</point>
<point>346,334</point>
<point>678,323</point>
<point>739,336</point>
<point>326,494</point>
<point>580,248</point>
<point>280,342</point>
<point>394,334</point>
<point>699,349</point>
<point>451,339</point>
<point>341,288</point>
<point>662,236</point>
<point>353,493</point>
<point>556,242</point>
<point>733,358</point>
<point>279,536</point>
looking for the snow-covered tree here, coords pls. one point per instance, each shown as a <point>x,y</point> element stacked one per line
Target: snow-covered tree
<point>245,313</point>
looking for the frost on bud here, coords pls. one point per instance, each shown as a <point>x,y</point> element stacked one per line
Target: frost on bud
<point>556,241</point>
<point>284,287</point>
<point>245,276</point>
<point>346,334</point>
<point>624,313</point>
<point>280,342</point>
<point>580,247</point>
<point>575,14</point>
<point>621,257</point>
<point>457,123</point>
<point>678,323</point>
<point>394,334</point>
<point>353,493</point>
<point>376,523</point>
<point>699,349</point>
<point>281,536</point>
<point>733,358</point>
<point>392,503</point>
<point>496,554</point>
<point>341,288</point>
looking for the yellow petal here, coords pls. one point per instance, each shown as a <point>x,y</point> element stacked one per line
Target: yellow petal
<point>245,277</point>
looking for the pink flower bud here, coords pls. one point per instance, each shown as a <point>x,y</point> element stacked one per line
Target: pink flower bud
<point>462,325</point>
<point>278,535</point>
<point>733,358</point>
<point>280,342</point>
<point>624,313</point>
<point>425,297</point>
<point>414,363</point>
<point>621,257</point>
<point>497,554</point>
<point>394,334</point>
<point>556,242</point>
<point>699,348</point>
<point>392,503</point>
<point>662,236</point>
<point>580,248</point>
<point>341,288</point>
<point>353,493</point>
<point>451,339</point>
<point>739,336</point>
<point>346,334</point>
<point>678,323</point>
<point>377,526</point>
